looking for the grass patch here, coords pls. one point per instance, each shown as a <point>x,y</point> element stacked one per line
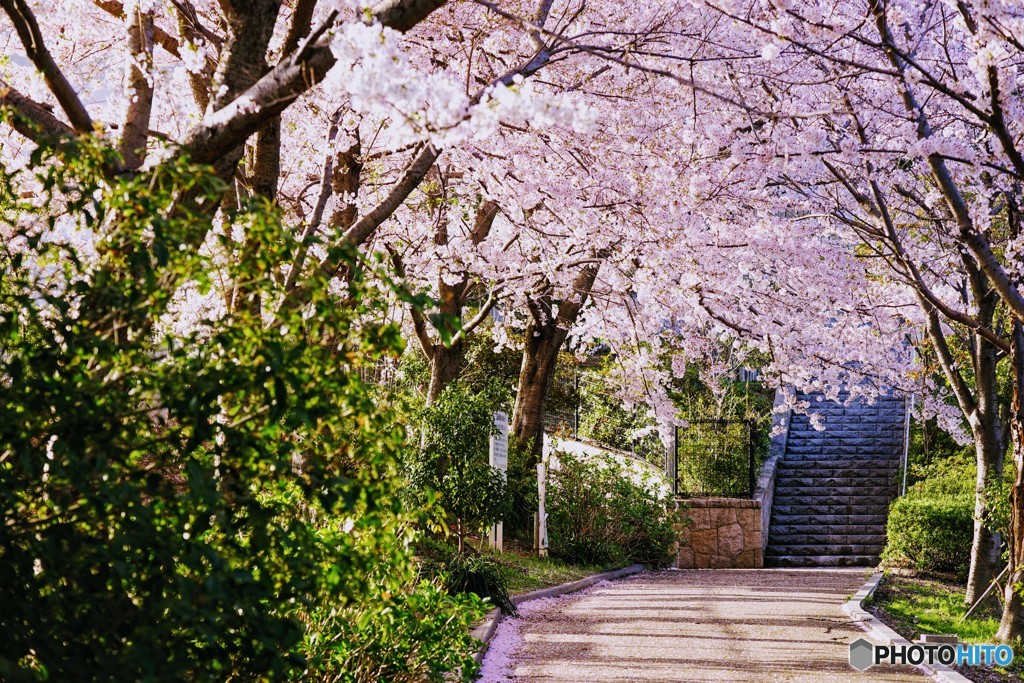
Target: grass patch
<point>930,606</point>
<point>520,570</point>
<point>525,573</point>
<point>912,606</point>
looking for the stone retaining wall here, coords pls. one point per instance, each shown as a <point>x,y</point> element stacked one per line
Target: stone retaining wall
<point>723,533</point>
<point>732,533</point>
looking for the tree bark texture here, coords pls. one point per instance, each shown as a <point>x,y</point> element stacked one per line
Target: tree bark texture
<point>1011,626</point>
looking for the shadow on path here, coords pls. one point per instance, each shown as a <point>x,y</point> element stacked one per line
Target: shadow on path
<point>691,625</point>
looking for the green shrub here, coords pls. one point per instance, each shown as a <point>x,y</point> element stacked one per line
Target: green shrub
<point>598,514</point>
<point>478,575</point>
<point>464,572</point>
<point>216,503</point>
<point>931,527</point>
<point>420,632</point>
<point>931,534</point>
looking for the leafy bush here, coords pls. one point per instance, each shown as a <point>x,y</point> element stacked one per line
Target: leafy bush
<point>598,514</point>
<point>931,527</point>
<point>421,632</point>
<point>454,461</point>
<point>209,503</point>
<point>930,534</point>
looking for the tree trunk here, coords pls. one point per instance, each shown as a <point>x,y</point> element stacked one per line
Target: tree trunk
<point>445,366</point>
<point>990,451</point>
<point>540,357</point>
<point>985,545</point>
<point>544,338</point>
<point>1011,627</point>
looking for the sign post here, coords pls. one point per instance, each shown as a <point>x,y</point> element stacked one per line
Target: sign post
<point>498,457</point>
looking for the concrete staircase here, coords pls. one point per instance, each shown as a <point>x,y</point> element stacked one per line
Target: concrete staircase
<point>833,488</point>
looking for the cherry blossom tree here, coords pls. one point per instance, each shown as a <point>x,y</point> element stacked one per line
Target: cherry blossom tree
<point>898,125</point>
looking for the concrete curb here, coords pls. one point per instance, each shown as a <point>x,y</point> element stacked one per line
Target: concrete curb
<point>854,607</point>
<point>485,631</point>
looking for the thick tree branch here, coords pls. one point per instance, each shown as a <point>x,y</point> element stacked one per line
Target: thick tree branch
<point>160,36</point>
<point>361,230</point>
<point>301,23</point>
<point>481,315</point>
<point>484,222</point>
<point>32,40</point>
<point>132,145</point>
<point>233,123</point>
<point>32,119</point>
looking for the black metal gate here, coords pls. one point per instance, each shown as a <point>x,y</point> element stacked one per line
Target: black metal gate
<point>716,459</point>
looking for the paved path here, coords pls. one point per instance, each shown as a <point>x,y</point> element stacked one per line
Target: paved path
<point>691,625</point>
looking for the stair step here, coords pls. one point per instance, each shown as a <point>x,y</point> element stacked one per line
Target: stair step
<point>886,463</point>
<point>817,455</point>
<point>827,476</point>
<point>827,520</point>
<point>792,484</point>
<point>826,539</point>
<point>832,487</point>
<point>781,530</point>
<point>831,549</point>
<point>820,500</point>
<point>822,561</point>
<point>812,510</point>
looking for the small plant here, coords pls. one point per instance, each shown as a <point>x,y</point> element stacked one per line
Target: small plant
<point>481,576</point>
<point>453,462</point>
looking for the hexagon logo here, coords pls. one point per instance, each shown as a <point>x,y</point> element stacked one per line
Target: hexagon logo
<point>862,654</point>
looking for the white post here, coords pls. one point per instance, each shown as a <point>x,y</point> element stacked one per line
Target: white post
<point>542,515</point>
<point>498,457</point>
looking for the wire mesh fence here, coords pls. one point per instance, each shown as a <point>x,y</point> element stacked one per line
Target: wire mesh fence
<point>716,458</point>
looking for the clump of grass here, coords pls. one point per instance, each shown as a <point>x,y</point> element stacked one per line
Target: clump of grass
<point>480,575</point>
<point>525,573</point>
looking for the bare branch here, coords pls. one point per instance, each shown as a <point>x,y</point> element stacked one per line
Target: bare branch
<point>160,36</point>
<point>419,323</point>
<point>32,40</point>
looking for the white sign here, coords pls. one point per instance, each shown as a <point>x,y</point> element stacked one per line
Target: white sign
<point>499,458</point>
<point>499,442</point>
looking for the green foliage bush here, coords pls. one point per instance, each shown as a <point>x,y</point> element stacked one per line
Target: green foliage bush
<point>597,514</point>
<point>454,461</point>
<point>930,534</point>
<point>217,503</point>
<point>420,632</point>
<point>931,527</point>
<point>464,572</point>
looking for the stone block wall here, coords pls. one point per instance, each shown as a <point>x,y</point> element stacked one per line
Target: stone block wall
<point>723,533</point>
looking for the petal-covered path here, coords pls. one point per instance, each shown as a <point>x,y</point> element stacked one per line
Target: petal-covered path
<point>691,625</point>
